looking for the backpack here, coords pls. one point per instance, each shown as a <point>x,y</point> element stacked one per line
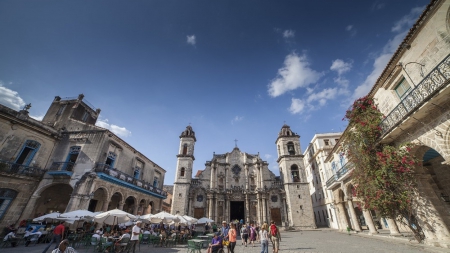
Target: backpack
<point>273,230</point>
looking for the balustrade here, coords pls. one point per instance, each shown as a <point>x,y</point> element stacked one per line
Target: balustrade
<point>20,169</point>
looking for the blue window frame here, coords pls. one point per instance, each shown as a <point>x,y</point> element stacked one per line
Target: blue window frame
<point>27,152</point>
<point>155,182</point>
<point>6,198</point>
<point>111,159</point>
<point>137,173</point>
<point>72,157</point>
<point>402,88</point>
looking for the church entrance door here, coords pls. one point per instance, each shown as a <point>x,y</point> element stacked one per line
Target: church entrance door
<point>237,210</point>
<point>199,213</point>
<point>275,215</point>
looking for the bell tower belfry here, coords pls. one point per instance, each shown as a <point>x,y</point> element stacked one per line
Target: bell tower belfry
<point>183,176</point>
<point>292,171</point>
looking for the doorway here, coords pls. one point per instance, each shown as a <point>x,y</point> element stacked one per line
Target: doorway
<point>237,210</point>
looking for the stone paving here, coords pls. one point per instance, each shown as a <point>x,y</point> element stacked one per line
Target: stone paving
<point>294,242</point>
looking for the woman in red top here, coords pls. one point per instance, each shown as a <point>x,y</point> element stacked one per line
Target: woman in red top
<point>232,237</point>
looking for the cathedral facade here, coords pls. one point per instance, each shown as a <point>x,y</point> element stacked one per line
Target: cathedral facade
<point>239,185</point>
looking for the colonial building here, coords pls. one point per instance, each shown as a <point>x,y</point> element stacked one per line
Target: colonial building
<point>321,197</point>
<point>413,93</point>
<point>239,185</point>
<point>86,166</point>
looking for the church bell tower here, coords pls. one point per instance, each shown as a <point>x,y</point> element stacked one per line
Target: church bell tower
<point>292,172</point>
<point>183,176</point>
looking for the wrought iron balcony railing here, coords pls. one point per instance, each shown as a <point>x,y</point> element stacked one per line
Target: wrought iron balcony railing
<point>431,84</point>
<point>340,173</point>
<point>20,169</point>
<point>107,169</point>
<point>62,166</point>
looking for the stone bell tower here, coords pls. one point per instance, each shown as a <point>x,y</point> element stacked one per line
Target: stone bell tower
<point>183,176</point>
<point>292,171</point>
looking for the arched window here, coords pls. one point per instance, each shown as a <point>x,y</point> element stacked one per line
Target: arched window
<point>6,197</point>
<point>185,149</point>
<point>291,148</point>
<point>182,171</point>
<point>111,159</point>
<point>27,153</point>
<point>295,173</point>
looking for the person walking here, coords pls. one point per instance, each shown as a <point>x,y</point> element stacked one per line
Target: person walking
<point>275,237</point>
<point>58,235</point>
<point>263,237</point>
<point>135,236</point>
<point>252,232</point>
<point>232,233</point>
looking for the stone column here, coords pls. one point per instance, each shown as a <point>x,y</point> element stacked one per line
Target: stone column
<point>210,207</point>
<point>211,180</point>
<point>188,210</point>
<point>285,213</point>
<point>246,177</point>
<point>354,218</point>
<point>264,203</point>
<point>120,207</point>
<point>342,217</point>
<point>247,208</point>
<point>369,222</point>
<point>393,227</point>
<point>226,177</point>
<point>105,205</point>
<point>258,208</point>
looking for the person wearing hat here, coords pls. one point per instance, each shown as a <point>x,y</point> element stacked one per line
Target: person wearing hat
<point>63,247</point>
<point>224,229</point>
<point>135,236</point>
<point>11,237</point>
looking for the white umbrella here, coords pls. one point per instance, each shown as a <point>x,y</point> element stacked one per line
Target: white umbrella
<point>47,217</point>
<point>78,214</point>
<point>192,220</point>
<point>163,217</point>
<point>204,220</point>
<point>182,220</point>
<point>146,217</point>
<point>126,224</point>
<point>112,217</point>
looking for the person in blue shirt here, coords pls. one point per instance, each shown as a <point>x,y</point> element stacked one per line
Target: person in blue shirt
<point>224,229</point>
<point>215,245</point>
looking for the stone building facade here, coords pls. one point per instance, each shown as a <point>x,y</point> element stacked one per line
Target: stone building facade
<point>239,185</point>
<point>86,166</point>
<point>412,92</point>
<point>321,198</point>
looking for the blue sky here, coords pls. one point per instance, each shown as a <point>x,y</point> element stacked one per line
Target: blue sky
<point>232,69</point>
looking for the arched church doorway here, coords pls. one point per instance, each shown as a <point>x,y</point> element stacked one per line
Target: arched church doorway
<point>130,205</point>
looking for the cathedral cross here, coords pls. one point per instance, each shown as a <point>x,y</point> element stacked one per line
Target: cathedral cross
<point>235,143</point>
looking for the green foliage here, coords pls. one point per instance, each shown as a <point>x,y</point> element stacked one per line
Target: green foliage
<point>383,175</point>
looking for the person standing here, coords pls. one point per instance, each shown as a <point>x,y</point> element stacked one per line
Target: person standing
<point>232,233</point>
<point>135,236</point>
<point>275,237</point>
<point>244,235</point>
<point>263,237</point>
<point>64,248</point>
<point>58,235</point>
<point>252,232</point>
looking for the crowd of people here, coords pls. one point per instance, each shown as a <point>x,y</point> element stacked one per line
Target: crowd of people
<point>118,236</point>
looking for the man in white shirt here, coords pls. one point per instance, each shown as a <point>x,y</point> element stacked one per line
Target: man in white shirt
<point>135,236</point>
<point>97,236</point>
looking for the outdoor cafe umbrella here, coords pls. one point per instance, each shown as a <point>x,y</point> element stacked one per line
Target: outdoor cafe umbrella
<point>192,220</point>
<point>145,218</point>
<point>78,214</point>
<point>48,217</point>
<point>182,220</point>
<point>164,217</point>
<point>204,220</point>
<point>114,216</point>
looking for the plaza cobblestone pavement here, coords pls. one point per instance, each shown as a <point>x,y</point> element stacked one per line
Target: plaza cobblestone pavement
<point>323,240</point>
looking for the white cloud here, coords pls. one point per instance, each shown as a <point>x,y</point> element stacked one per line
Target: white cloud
<point>408,20</point>
<point>385,55</point>
<point>341,66</point>
<point>377,6</point>
<point>349,27</point>
<point>120,131</point>
<point>297,106</point>
<point>191,40</point>
<point>294,74</point>
<point>289,34</point>
<point>267,156</point>
<point>10,98</point>
<point>236,119</point>
<point>322,96</point>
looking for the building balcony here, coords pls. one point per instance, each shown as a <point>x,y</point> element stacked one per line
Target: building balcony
<point>20,169</point>
<point>340,175</point>
<point>62,166</point>
<point>428,94</point>
<point>116,176</point>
